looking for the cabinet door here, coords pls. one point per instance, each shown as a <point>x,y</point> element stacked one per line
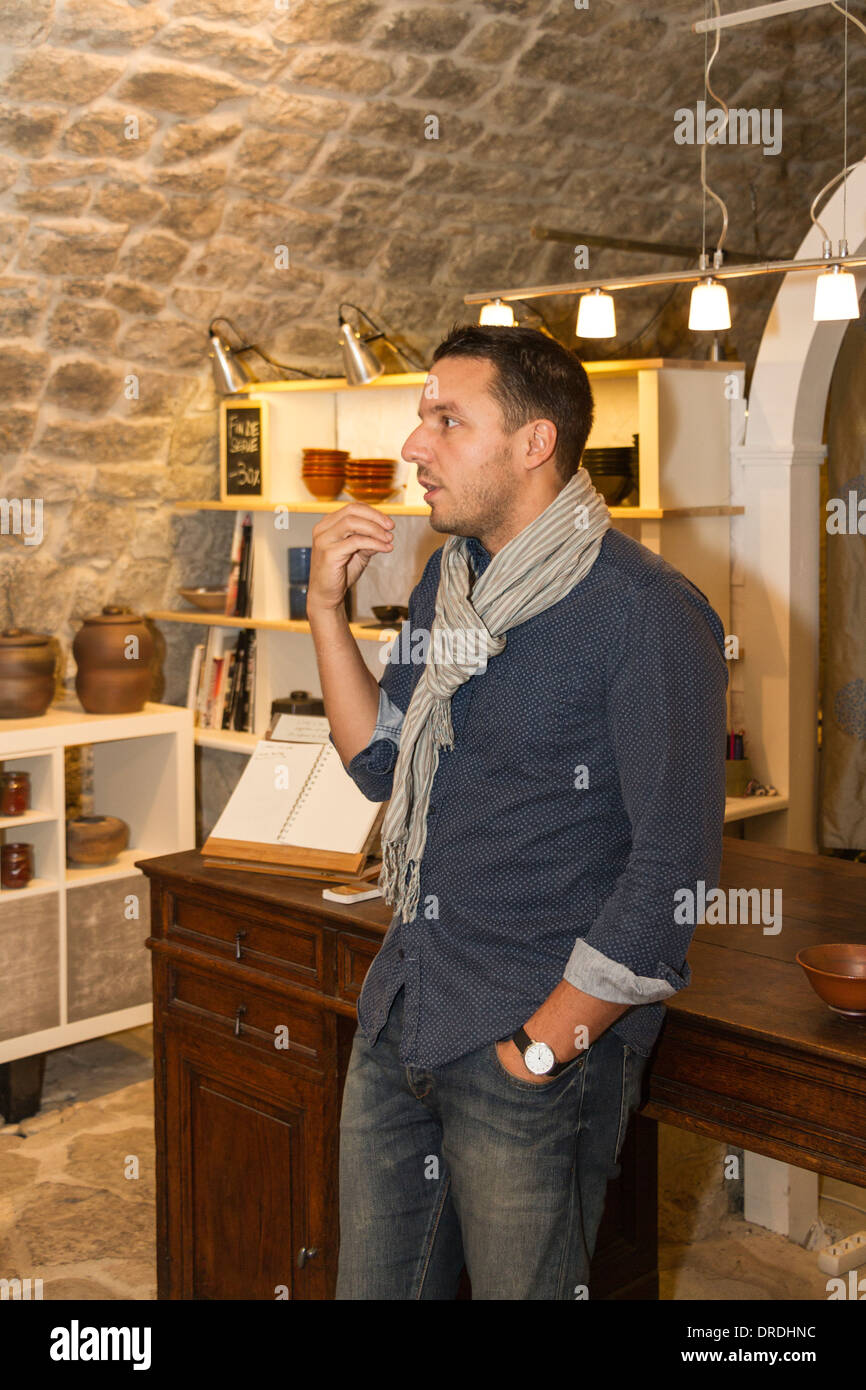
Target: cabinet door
<point>241,1183</point>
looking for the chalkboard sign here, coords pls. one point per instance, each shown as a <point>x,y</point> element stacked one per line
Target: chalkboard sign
<point>243,450</point>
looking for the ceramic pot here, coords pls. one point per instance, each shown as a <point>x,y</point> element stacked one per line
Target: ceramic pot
<point>95,839</point>
<point>298,702</point>
<point>114,675</point>
<point>27,664</point>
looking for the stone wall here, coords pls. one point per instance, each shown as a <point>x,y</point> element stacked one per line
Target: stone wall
<point>154,156</point>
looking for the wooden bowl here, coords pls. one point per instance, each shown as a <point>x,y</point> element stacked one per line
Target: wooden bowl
<point>837,973</point>
<point>95,839</point>
<point>209,600</point>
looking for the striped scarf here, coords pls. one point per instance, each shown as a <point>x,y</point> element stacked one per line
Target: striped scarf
<point>537,568</point>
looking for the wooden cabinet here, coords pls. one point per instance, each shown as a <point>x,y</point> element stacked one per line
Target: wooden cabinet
<point>255,983</point>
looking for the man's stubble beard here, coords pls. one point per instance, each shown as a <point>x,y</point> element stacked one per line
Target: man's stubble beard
<point>486,508</point>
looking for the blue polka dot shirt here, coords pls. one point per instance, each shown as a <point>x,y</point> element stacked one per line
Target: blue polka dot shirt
<point>585,787</point>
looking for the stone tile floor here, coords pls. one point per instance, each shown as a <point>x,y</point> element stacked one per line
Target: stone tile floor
<point>77,1195</point>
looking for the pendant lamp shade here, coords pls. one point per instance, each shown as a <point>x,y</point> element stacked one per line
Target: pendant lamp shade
<point>835,296</point>
<point>709,309</point>
<point>595,316</point>
<point>497,313</point>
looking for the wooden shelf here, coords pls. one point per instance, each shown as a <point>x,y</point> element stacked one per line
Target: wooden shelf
<point>28,818</point>
<point>35,888</point>
<point>121,867</point>
<point>358,630</point>
<point>312,508</point>
<point>744,807</point>
<point>625,366</point>
<point>257,504</point>
<point>229,740</point>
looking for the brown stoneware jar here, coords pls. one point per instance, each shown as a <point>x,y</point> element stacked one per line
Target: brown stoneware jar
<point>27,663</point>
<point>113,651</point>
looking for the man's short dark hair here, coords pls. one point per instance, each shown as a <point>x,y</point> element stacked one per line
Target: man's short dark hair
<point>535,378</point>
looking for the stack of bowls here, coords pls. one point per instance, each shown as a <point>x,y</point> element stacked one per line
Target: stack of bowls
<point>370,480</point>
<point>324,472</point>
<point>614,471</point>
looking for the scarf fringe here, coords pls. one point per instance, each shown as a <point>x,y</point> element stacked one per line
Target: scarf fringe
<point>392,882</point>
<point>443,732</point>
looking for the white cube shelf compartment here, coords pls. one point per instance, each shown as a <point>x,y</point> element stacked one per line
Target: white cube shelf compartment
<point>73,963</point>
<point>371,422</point>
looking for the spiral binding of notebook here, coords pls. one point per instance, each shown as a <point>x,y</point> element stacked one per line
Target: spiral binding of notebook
<point>282,836</point>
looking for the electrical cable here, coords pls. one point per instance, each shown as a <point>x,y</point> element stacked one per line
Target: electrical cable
<point>852,18</point>
<point>647,326</point>
<point>706,187</point>
<point>380,333</point>
<point>251,347</point>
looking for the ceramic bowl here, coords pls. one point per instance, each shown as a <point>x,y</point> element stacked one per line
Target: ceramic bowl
<point>209,600</point>
<point>326,489</point>
<point>837,973</point>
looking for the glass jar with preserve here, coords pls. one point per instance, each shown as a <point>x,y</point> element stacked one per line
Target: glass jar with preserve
<point>16,865</point>
<point>14,793</point>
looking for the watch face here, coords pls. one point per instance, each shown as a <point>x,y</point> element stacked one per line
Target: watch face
<point>539,1058</point>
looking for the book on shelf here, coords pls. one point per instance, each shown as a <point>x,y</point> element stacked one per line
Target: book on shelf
<point>246,718</point>
<point>234,566</point>
<point>244,597</point>
<point>221,690</point>
<point>194,678</point>
<point>237,681</point>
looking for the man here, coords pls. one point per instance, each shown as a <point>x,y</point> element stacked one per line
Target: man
<point>549,730</point>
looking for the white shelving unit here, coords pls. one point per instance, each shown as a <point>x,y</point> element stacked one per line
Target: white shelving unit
<point>73,964</point>
<point>687,416</point>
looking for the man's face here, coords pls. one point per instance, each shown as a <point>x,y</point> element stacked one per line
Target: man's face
<point>470,468</point>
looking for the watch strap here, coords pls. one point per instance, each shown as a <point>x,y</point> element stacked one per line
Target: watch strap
<point>522,1039</point>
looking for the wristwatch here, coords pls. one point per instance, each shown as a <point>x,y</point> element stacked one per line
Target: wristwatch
<point>537,1056</point>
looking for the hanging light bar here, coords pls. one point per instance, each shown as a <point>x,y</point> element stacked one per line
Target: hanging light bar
<point>731,21</point>
<point>661,277</point>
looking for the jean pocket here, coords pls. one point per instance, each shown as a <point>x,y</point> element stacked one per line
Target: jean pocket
<point>574,1065</point>
<point>632,1072</point>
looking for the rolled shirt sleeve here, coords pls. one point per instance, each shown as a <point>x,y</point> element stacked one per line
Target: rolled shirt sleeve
<point>666,707</point>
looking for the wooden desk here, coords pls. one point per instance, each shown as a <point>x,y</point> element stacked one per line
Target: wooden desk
<point>246,1130</point>
<point>749,1053</point>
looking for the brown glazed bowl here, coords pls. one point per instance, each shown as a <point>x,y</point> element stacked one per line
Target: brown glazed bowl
<point>28,662</point>
<point>837,973</point>
<point>95,839</point>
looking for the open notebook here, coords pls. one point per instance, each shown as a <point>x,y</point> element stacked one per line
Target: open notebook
<point>296,804</point>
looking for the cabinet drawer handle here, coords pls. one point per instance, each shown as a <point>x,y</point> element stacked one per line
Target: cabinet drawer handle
<point>305,1254</point>
<point>239,1013</point>
<point>238,938</point>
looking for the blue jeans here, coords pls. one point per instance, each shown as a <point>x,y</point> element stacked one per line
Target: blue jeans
<point>467,1163</point>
